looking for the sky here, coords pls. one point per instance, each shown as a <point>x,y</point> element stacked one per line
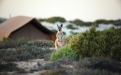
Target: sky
<point>86,10</point>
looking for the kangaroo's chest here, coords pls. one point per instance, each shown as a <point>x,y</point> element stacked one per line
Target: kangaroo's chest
<point>61,43</point>
<point>60,39</point>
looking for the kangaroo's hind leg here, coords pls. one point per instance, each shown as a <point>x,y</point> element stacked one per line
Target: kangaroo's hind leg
<point>56,45</point>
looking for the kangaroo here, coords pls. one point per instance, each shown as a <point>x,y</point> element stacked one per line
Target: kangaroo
<point>60,39</point>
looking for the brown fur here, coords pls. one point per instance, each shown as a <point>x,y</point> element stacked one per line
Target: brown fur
<point>60,41</point>
<point>57,45</point>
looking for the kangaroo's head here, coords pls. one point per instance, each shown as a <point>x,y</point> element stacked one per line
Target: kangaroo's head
<point>59,34</point>
<point>60,27</point>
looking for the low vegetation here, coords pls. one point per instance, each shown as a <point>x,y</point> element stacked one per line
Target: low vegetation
<point>88,53</point>
<point>10,43</point>
<point>21,49</point>
<point>97,22</point>
<point>79,22</point>
<point>104,43</point>
<point>8,67</point>
<point>70,26</point>
<point>85,66</point>
<point>53,19</point>
<point>66,51</point>
<point>114,22</point>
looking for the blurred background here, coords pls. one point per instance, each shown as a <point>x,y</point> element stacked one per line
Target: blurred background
<point>76,15</point>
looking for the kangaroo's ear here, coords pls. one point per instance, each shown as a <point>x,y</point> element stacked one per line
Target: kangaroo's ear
<point>61,25</point>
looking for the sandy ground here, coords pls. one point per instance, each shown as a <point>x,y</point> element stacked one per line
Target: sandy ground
<point>28,66</point>
<point>34,73</point>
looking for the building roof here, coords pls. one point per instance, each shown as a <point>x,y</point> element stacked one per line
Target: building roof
<point>14,23</point>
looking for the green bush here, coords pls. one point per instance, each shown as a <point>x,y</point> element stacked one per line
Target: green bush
<point>87,23</point>
<point>104,43</point>
<point>98,63</point>
<point>8,67</point>
<point>7,43</point>
<point>71,36</point>
<point>10,43</point>
<point>23,53</point>
<point>85,66</point>
<point>70,26</point>
<point>90,72</point>
<point>41,19</point>
<point>54,72</point>
<point>81,23</point>
<point>24,50</point>
<point>65,51</point>
<point>101,21</point>
<point>55,19</point>
<point>43,43</point>
<point>114,22</point>
<point>117,22</point>
<point>74,33</point>
<point>77,22</point>
<point>50,66</point>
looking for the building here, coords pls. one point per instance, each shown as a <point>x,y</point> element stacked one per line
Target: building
<point>27,27</point>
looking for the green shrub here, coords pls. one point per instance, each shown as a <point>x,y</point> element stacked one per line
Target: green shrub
<point>23,53</point>
<point>98,63</point>
<point>86,66</point>
<point>43,43</point>
<point>65,51</point>
<point>71,36</point>
<point>77,22</point>
<point>50,66</point>
<point>8,67</point>
<point>114,22</point>
<point>7,43</point>
<point>87,23</point>
<point>104,43</point>
<point>70,26</point>
<point>117,22</point>
<point>65,60</point>
<point>90,72</point>
<point>24,50</point>
<point>81,23</point>
<point>41,19</point>
<point>10,43</point>
<point>55,19</point>
<point>101,21</point>
<point>74,33</point>
<point>54,72</point>
<point>21,41</point>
